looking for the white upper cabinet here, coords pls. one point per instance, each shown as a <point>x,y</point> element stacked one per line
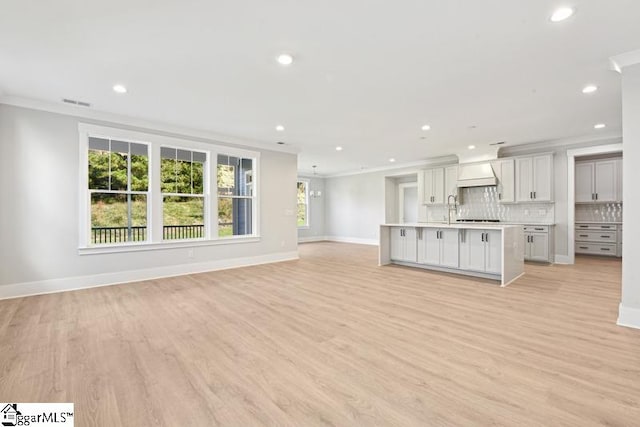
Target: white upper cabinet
<point>598,181</point>
<point>585,172</point>
<point>505,173</point>
<point>606,181</point>
<point>433,186</point>
<point>450,182</point>
<point>534,178</point>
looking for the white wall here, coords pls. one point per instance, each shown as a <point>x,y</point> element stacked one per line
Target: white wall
<point>630,304</point>
<point>39,210</point>
<point>355,205</point>
<point>316,229</point>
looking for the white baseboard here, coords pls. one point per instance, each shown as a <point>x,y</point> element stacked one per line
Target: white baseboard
<point>312,239</point>
<point>355,240</point>
<point>629,317</point>
<point>24,289</point>
<point>562,259</point>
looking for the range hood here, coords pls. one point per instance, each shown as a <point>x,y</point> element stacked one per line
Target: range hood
<point>476,175</point>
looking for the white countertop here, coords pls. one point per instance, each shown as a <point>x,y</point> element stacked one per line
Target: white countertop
<point>599,222</point>
<point>463,225</point>
<point>435,223</point>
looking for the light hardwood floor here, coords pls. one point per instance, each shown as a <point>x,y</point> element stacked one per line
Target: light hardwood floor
<point>331,339</point>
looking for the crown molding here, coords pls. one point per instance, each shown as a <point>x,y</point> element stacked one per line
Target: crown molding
<point>562,143</point>
<point>148,125</point>
<point>436,161</point>
<point>627,59</point>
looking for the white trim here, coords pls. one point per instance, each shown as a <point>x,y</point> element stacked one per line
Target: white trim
<point>170,244</point>
<point>89,113</point>
<point>553,145</point>
<point>312,239</point>
<point>307,210</point>
<point>18,290</point>
<point>571,193</point>
<point>562,259</point>
<point>356,240</point>
<point>627,59</point>
<point>629,317</point>
<point>436,161</point>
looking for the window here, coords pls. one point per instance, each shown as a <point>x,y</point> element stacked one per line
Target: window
<point>118,190</point>
<point>183,198</point>
<point>235,195</point>
<point>303,203</point>
<point>142,191</point>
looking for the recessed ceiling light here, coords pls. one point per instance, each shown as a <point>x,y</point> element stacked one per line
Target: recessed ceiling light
<point>119,88</point>
<point>338,148</point>
<point>392,160</point>
<point>590,89</point>
<point>600,126</point>
<point>280,128</point>
<point>285,59</point>
<point>561,14</point>
<point>471,147</point>
<point>426,127</point>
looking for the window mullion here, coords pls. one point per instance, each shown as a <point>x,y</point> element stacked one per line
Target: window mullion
<point>155,203</point>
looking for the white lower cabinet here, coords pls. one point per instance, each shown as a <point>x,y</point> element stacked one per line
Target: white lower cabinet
<point>537,243</point>
<point>403,244</point>
<point>598,239</point>
<point>481,250</point>
<point>438,247</point>
<point>536,247</point>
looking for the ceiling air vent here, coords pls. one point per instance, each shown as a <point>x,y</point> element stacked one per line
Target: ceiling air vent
<point>74,102</point>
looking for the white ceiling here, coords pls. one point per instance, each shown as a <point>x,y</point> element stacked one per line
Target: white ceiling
<point>367,73</point>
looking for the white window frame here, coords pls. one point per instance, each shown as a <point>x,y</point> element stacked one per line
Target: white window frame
<point>206,195</point>
<point>308,208</point>
<point>154,201</point>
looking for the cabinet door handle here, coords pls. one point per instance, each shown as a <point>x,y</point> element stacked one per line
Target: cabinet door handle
<point>583,226</point>
<point>534,195</point>
<point>584,247</point>
<point>605,249</point>
<point>499,196</point>
<point>605,237</point>
<point>596,196</point>
<point>486,237</point>
<point>532,239</point>
<point>531,194</point>
<point>584,235</point>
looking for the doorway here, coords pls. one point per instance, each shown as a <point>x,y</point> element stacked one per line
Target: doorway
<point>408,202</point>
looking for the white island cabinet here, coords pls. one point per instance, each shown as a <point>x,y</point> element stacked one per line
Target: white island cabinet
<point>483,250</point>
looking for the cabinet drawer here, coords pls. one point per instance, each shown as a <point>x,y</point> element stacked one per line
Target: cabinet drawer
<point>596,248</point>
<point>605,227</point>
<point>536,228</point>
<point>596,236</point>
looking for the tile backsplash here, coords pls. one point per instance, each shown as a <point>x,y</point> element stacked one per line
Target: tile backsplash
<point>602,212</point>
<point>483,203</point>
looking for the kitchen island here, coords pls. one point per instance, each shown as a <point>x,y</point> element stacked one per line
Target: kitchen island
<point>487,250</point>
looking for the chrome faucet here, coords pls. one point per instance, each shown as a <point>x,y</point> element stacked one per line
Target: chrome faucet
<point>452,207</point>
